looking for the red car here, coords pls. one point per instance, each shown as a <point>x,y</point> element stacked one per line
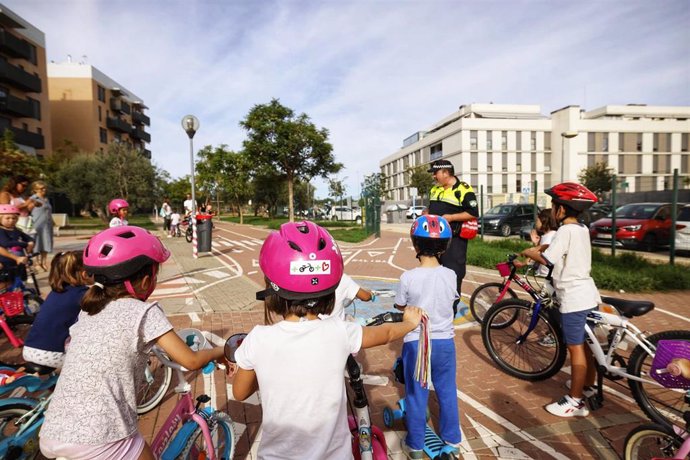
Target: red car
<point>645,226</point>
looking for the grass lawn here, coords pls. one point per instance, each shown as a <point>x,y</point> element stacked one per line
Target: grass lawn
<point>94,223</point>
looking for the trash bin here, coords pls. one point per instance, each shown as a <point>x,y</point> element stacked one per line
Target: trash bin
<point>204,232</point>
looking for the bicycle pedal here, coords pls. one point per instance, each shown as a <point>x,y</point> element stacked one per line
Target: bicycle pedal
<point>594,403</point>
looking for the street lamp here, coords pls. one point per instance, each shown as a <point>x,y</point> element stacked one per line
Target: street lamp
<point>565,135</point>
<point>190,124</point>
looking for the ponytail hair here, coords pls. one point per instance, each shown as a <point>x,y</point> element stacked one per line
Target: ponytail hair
<point>103,291</point>
<point>66,270</point>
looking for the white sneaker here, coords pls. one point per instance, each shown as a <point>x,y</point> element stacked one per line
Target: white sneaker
<point>587,391</point>
<point>548,341</point>
<point>568,407</point>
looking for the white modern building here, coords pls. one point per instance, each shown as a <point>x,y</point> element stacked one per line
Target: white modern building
<point>505,148</point>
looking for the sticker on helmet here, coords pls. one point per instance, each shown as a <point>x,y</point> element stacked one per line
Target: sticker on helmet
<point>312,255</point>
<point>310,267</point>
<point>274,286</point>
<point>314,281</point>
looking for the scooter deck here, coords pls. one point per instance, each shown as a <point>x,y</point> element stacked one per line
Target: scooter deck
<point>433,445</point>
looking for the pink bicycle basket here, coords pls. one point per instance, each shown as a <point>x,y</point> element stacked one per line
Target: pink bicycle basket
<point>503,269</point>
<point>12,303</point>
<point>667,350</point>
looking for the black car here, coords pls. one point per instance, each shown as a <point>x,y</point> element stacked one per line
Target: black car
<point>506,219</point>
<point>594,213</point>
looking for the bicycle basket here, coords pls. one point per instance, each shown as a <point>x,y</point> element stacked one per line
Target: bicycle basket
<point>503,268</point>
<point>194,338</point>
<point>12,303</point>
<point>667,350</point>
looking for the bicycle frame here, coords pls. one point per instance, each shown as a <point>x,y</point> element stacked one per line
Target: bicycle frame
<point>14,340</point>
<point>684,449</point>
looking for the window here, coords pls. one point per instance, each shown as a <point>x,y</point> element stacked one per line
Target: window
<point>103,135</point>
<point>534,161</point>
<point>436,152</point>
<point>518,141</point>
<point>32,54</point>
<point>639,142</point>
<point>655,163</point>
<point>100,114</point>
<point>39,130</point>
<point>533,141</point>
<point>684,142</point>
<point>621,142</point>
<point>605,142</point>
<point>473,140</point>
<point>35,108</point>
<point>547,140</point>
<point>473,161</point>
<point>504,140</point>
<point>684,164</point>
<point>489,161</point>
<point>504,161</point>
<point>489,189</point>
<point>590,142</point>
<point>656,142</point>
<point>489,141</point>
<point>591,159</point>
<point>518,161</point>
<point>101,93</point>
<point>547,161</point>
<point>639,164</point>
<point>474,180</point>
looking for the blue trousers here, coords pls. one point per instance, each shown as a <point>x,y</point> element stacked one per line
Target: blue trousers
<point>416,397</point>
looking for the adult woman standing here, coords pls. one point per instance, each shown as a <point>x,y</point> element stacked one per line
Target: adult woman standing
<point>42,217</point>
<point>13,193</point>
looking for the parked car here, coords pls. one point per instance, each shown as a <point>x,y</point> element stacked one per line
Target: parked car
<point>345,213</point>
<point>414,211</point>
<point>506,219</point>
<point>594,213</point>
<point>683,229</point>
<point>643,226</point>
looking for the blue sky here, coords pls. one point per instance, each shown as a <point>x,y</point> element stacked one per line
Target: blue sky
<point>372,72</point>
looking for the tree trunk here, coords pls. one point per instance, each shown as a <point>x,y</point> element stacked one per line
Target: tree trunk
<point>291,210</point>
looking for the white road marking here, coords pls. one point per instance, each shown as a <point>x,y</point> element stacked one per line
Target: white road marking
<point>169,291</point>
<point>255,263</point>
<point>192,280</point>
<point>217,274</point>
<point>252,242</point>
<point>194,317</point>
<point>226,243</point>
<point>374,253</point>
<point>252,272</point>
<point>672,314</point>
<point>352,257</point>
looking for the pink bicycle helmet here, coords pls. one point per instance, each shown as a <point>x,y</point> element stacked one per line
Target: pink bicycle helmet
<point>301,261</point>
<point>117,253</point>
<point>8,209</point>
<point>115,205</point>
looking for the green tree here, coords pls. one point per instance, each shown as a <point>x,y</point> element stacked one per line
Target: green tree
<point>421,179</point>
<point>269,191</point>
<point>226,174</point>
<point>16,161</point>
<point>289,144</point>
<point>597,178</point>
<point>336,189</point>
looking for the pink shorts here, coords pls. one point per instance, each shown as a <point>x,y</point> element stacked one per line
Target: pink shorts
<point>125,449</point>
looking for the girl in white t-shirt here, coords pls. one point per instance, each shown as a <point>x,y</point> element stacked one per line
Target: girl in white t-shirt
<point>298,362</point>
<point>570,255</point>
<point>542,235</point>
<point>120,209</point>
<point>92,414</point>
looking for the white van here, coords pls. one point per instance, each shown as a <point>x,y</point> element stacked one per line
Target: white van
<point>345,213</point>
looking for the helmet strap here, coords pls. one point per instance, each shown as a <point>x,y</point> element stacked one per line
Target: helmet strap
<point>149,291</point>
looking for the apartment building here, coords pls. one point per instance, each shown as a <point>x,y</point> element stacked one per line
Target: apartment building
<point>24,105</point>
<point>505,148</point>
<point>91,110</point>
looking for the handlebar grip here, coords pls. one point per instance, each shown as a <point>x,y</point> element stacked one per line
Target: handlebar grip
<point>386,317</point>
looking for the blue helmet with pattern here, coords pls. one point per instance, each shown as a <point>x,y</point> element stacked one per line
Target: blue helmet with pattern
<point>430,235</point>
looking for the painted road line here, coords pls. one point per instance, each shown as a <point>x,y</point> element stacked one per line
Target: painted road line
<point>365,245</point>
<point>252,242</point>
<point>237,243</point>
<point>217,274</point>
<point>235,267</point>
<point>496,443</point>
<point>510,426</point>
<point>672,314</point>
<point>226,243</point>
<point>352,256</point>
<point>252,273</point>
<point>169,291</point>
<point>194,317</point>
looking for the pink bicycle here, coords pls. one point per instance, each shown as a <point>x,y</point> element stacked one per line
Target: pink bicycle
<point>205,433</point>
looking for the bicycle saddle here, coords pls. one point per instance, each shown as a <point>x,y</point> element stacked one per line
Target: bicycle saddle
<point>630,308</point>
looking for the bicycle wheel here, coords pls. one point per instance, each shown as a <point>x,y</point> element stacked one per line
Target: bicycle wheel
<point>32,303</point>
<point>485,296</point>
<point>662,405</point>
<point>651,441</point>
<point>21,449</point>
<point>541,354</point>
<point>188,234</point>
<point>223,435</point>
<point>155,383</point>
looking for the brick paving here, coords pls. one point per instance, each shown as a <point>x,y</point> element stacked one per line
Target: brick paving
<point>501,417</point>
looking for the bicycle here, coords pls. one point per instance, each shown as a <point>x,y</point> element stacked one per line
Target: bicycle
<point>514,332</point>
<point>489,293</point>
<point>32,299</point>
<point>655,440</point>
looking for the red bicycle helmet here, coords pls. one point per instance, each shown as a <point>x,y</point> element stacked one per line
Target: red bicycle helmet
<point>117,253</point>
<point>115,205</point>
<point>573,195</point>
<point>301,261</point>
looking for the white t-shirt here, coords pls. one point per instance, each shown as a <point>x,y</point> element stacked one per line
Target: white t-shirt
<point>95,399</point>
<point>433,290</point>
<point>117,222</point>
<point>299,367</point>
<point>175,218</point>
<point>189,206</point>
<point>546,238</point>
<point>344,295</point>
<point>167,209</point>
<point>571,254</point>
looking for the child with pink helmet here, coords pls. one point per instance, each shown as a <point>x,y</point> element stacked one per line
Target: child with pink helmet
<point>298,362</point>
<point>92,413</point>
<point>120,209</point>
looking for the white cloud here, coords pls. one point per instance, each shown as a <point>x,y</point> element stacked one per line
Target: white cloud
<point>372,72</point>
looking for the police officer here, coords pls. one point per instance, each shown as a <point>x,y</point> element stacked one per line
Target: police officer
<point>455,200</point>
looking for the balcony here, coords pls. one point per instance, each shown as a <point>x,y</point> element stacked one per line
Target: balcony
<point>138,133</point>
<point>30,139</point>
<point>118,105</point>
<point>14,46</point>
<point>145,153</point>
<point>18,107</point>
<point>18,78</point>
<point>117,124</point>
<point>139,118</point>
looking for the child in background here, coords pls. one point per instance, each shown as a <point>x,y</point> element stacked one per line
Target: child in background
<point>298,362</point>
<point>174,224</point>
<point>120,209</point>
<point>434,288</point>
<point>92,413</point>
<point>348,290</point>
<point>45,344</point>
<point>570,255</point>
<point>13,243</point>
<point>542,235</point>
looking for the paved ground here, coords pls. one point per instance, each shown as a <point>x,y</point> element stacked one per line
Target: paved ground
<point>501,417</point>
